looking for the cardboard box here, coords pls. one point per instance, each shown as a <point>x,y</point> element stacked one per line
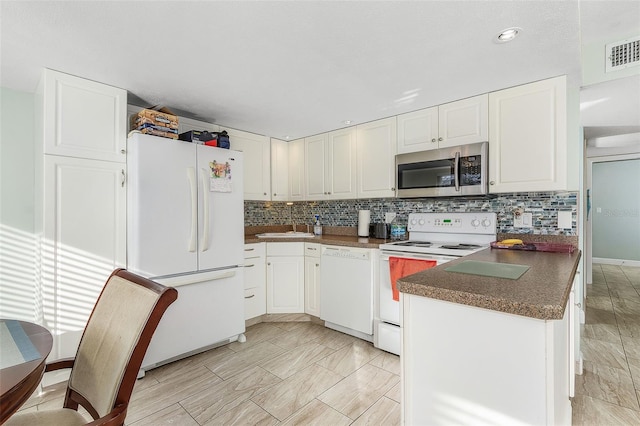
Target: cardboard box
<point>156,116</point>
<point>154,132</point>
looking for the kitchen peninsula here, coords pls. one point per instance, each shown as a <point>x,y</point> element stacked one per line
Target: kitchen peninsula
<point>488,350</point>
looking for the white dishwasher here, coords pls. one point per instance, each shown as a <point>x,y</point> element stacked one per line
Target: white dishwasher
<point>346,290</point>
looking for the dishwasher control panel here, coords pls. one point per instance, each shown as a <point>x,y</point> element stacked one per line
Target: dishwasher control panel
<point>346,253</point>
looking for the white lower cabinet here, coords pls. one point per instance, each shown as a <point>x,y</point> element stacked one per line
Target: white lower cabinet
<point>312,278</point>
<point>285,278</point>
<point>499,369</point>
<point>255,288</point>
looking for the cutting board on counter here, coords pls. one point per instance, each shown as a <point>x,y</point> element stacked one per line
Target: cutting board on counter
<point>510,271</point>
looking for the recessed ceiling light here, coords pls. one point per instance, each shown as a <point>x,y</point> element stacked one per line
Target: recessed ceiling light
<point>507,35</point>
<point>347,121</point>
<point>287,137</point>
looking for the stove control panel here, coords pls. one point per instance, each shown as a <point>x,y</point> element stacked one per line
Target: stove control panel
<point>468,223</point>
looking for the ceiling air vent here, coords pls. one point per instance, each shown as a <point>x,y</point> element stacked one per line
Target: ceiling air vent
<point>623,54</point>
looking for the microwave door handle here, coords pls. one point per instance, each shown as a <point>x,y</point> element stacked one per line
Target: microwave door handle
<point>456,171</point>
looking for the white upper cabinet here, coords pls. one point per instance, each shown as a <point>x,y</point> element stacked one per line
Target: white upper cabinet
<point>463,122</point>
<point>528,137</point>
<point>82,118</point>
<point>456,123</point>
<point>279,170</point>
<point>376,148</point>
<point>341,164</point>
<point>314,163</point>
<point>330,163</point>
<point>296,170</point>
<point>418,130</point>
<point>257,163</point>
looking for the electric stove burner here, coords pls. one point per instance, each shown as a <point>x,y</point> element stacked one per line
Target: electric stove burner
<point>414,244</point>
<point>460,246</point>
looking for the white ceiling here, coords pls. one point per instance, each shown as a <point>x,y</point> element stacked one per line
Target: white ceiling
<point>301,68</point>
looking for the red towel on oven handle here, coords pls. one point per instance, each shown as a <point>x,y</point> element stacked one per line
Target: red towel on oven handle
<point>400,267</point>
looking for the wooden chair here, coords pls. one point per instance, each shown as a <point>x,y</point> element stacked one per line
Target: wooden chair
<point>110,353</point>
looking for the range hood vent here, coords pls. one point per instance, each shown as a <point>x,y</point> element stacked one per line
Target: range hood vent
<point>623,54</point>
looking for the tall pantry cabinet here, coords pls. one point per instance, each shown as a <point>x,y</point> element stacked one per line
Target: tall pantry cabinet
<point>80,199</point>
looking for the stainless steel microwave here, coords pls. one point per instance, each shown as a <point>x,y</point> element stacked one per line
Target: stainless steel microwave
<point>445,172</point>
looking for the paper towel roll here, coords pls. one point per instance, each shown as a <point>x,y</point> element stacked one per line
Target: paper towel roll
<point>364,219</point>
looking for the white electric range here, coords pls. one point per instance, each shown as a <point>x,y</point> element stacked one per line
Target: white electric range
<point>440,237</point>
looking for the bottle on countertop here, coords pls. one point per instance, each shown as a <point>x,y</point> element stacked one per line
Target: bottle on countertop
<point>398,231</point>
<point>317,228</point>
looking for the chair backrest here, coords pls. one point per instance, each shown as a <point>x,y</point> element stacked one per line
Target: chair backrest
<point>115,341</point>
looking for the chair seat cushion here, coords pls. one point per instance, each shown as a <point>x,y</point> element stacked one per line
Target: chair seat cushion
<point>61,417</point>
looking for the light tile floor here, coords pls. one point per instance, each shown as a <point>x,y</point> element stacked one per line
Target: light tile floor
<point>291,373</point>
<point>301,373</point>
<point>608,391</point>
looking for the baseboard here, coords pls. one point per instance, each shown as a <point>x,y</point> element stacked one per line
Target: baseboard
<point>283,318</point>
<point>616,262</point>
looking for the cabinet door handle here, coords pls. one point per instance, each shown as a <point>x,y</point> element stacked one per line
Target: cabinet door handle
<point>440,139</point>
<point>249,297</point>
<point>122,151</point>
<point>123,178</point>
<point>264,193</point>
<point>492,183</point>
<point>250,266</point>
<point>433,140</point>
<point>317,264</point>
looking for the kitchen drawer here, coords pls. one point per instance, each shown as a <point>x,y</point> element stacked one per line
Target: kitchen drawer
<point>254,273</point>
<point>285,249</point>
<point>255,302</point>
<point>254,250</point>
<point>312,249</point>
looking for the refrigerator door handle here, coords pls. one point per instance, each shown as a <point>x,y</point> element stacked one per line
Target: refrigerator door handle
<point>181,280</point>
<point>205,211</point>
<point>191,175</point>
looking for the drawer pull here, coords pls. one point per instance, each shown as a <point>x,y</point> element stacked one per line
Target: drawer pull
<point>249,249</point>
<point>249,297</point>
<point>250,266</point>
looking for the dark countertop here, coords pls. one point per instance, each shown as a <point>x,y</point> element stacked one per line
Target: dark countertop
<point>542,292</point>
<point>334,240</point>
<point>331,235</point>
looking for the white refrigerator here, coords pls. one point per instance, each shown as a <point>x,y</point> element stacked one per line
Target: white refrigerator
<point>185,229</point>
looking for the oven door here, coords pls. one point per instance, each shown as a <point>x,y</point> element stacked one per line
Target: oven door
<point>389,309</point>
<point>443,172</point>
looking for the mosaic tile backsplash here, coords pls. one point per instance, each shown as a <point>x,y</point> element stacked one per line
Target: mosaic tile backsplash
<point>543,205</point>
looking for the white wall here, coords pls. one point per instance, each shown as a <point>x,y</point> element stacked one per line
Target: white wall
<point>593,63</point>
<point>17,168</point>
<point>17,159</point>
